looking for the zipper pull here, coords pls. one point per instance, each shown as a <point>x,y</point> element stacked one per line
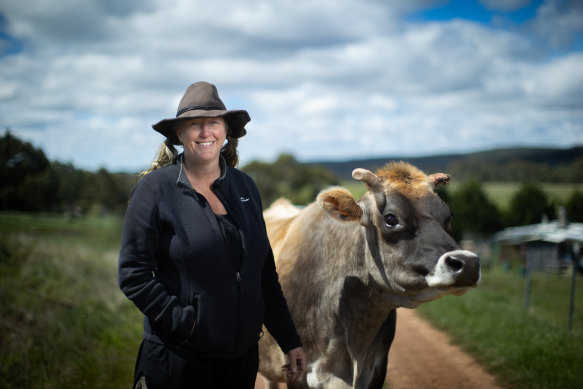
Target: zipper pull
<point>239,278</point>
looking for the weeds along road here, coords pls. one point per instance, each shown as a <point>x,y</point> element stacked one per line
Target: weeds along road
<point>422,357</point>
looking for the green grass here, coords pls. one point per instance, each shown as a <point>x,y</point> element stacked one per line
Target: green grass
<point>64,323</point>
<point>355,187</point>
<point>525,349</point>
<point>501,192</point>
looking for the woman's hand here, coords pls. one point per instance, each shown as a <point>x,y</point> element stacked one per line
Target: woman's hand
<point>296,366</point>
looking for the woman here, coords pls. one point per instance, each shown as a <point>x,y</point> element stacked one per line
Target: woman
<point>196,260</point>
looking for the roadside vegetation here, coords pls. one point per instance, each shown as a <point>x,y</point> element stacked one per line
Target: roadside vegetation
<point>64,323</point>
<point>524,348</point>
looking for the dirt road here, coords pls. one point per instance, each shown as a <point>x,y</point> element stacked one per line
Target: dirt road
<point>422,357</point>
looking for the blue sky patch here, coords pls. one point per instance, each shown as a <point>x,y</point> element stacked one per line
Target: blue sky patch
<point>8,44</point>
<point>474,11</point>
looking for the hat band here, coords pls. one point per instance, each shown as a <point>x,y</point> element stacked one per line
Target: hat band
<point>193,107</point>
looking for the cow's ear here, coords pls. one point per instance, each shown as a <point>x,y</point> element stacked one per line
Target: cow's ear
<point>340,203</point>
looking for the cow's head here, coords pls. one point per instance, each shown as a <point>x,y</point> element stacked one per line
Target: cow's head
<point>407,233</point>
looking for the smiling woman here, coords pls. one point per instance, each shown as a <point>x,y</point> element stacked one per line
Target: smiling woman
<point>203,139</point>
<point>198,106</point>
<point>196,260</point>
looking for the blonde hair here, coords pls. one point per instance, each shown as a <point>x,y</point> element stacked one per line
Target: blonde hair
<point>167,153</point>
<point>230,153</point>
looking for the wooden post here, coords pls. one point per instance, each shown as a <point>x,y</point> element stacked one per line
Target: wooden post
<point>527,288</point>
<point>572,302</point>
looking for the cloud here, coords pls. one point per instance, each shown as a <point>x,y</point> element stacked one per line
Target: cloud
<point>320,80</point>
<point>559,22</point>
<point>505,5</point>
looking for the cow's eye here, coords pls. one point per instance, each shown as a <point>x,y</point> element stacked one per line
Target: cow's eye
<point>391,220</point>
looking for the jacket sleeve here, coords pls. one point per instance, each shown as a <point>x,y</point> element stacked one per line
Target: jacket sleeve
<point>278,320</point>
<point>137,263</point>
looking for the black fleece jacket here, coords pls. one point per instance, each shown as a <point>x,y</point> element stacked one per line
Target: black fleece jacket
<point>174,267</point>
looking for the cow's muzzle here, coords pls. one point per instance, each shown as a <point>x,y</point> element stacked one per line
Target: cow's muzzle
<point>458,268</point>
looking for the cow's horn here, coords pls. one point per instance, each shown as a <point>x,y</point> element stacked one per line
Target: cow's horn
<point>369,178</point>
<point>439,178</point>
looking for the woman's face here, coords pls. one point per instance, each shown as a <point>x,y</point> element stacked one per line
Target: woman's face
<point>202,138</point>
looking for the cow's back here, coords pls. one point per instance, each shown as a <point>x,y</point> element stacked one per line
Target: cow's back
<point>278,218</point>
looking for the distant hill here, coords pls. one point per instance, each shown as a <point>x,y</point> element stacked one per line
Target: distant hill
<point>545,164</point>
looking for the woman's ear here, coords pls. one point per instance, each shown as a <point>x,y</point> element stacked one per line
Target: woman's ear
<point>178,131</point>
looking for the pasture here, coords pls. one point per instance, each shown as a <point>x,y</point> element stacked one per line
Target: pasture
<point>501,192</point>
<point>63,321</point>
<point>65,324</point>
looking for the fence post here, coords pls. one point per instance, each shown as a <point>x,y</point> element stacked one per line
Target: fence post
<point>572,302</point>
<point>527,288</point>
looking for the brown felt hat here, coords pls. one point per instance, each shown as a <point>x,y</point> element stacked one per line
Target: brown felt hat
<point>201,99</point>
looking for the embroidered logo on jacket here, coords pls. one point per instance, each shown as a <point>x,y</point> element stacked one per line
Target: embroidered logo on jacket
<point>244,199</point>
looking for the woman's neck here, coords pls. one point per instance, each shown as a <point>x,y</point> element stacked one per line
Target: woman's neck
<point>202,174</point>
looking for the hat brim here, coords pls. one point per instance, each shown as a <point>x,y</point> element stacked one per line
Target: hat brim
<point>236,119</point>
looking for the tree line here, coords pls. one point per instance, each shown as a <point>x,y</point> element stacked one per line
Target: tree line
<point>32,183</point>
<point>475,213</point>
<point>517,171</point>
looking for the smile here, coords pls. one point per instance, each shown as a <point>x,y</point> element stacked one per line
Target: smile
<point>205,143</point>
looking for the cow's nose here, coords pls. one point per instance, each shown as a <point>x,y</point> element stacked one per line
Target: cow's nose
<point>458,268</point>
<point>464,265</point>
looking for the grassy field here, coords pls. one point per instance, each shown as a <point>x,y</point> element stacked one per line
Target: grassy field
<point>501,192</point>
<point>525,349</point>
<point>64,323</point>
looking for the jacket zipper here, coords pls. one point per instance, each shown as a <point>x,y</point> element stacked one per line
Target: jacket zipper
<point>237,271</point>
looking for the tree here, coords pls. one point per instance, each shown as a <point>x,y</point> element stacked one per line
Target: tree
<point>31,183</point>
<point>575,207</point>
<point>23,175</point>
<point>473,212</point>
<point>528,205</point>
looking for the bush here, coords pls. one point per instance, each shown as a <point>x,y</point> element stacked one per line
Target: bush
<point>473,212</point>
<point>528,206</point>
<point>575,207</point>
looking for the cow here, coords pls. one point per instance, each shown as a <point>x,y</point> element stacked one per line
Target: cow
<point>345,266</point>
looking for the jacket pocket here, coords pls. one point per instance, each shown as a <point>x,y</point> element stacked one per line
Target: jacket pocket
<point>199,340</point>
<point>214,332</point>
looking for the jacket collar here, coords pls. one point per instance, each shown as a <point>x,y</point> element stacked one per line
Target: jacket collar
<point>183,180</point>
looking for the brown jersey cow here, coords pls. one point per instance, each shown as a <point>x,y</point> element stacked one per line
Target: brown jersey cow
<point>345,266</point>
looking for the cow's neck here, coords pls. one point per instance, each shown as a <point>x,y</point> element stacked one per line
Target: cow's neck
<point>364,308</point>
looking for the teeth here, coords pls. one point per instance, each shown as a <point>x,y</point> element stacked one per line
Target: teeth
<point>206,143</point>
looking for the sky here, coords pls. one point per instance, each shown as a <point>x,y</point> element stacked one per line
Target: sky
<point>322,80</point>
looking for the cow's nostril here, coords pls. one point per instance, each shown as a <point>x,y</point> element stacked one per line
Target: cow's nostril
<point>453,263</point>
